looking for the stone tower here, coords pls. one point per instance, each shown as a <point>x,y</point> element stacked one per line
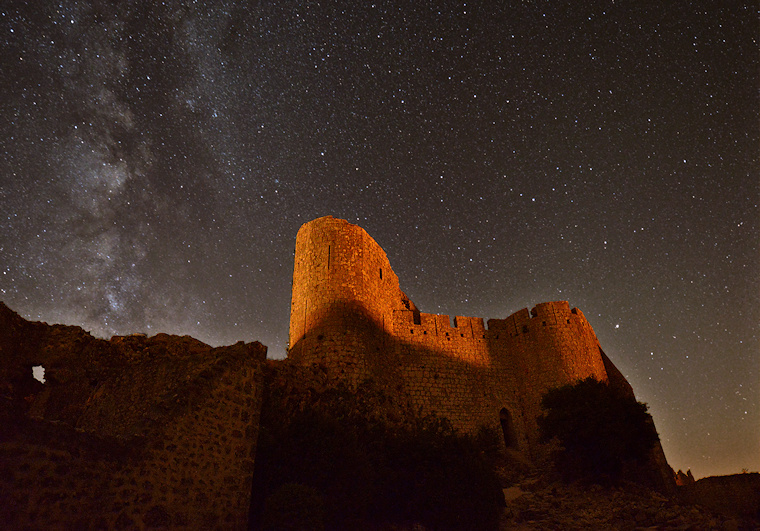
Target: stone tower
<point>344,297</point>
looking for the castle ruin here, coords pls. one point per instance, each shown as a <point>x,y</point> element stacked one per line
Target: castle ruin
<point>349,315</point>
<point>161,432</point>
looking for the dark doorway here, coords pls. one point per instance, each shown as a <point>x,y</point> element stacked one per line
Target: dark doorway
<point>508,428</point>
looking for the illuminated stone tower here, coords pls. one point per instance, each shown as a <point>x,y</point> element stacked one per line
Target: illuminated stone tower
<point>344,297</point>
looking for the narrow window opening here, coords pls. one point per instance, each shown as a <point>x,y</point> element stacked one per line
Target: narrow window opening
<point>38,373</point>
<point>329,248</point>
<point>416,317</point>
<point>508,428</point>
<point>381,273</point>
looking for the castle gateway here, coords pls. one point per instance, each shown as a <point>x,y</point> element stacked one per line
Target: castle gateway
<point>349,315</point>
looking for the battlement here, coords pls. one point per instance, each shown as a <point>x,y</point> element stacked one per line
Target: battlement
<point>547,314</point>
<point>408,323</point>
<point>544,315</point>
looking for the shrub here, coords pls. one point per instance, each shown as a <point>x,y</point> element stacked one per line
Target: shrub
<point>368,464</point>
<point>599,430</point>
<point>293,507</point>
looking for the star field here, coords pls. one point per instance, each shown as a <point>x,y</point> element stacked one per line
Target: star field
<point>158,159</point>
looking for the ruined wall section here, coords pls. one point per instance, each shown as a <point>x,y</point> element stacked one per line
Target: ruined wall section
<point>344,297</point>
<point>463,339</point>
<point>134,432</point>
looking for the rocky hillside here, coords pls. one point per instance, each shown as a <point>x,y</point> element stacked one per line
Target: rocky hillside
<point>735,495</point>
<point>537,503</point>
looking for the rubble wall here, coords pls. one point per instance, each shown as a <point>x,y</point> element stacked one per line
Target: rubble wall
<point>135,432</point>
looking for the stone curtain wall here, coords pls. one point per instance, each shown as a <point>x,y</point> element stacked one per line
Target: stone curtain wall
<point>452,372</point>
<point>135,432</point>
<point>468,373</point>
<point>357,324</point>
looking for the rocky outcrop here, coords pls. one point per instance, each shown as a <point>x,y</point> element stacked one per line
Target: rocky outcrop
<point>133,432</point>
<point>684,479</point>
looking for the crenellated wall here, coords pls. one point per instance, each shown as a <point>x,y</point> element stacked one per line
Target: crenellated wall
<point>349,314</point>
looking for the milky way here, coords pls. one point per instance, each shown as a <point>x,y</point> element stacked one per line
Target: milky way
<point>159,158</point>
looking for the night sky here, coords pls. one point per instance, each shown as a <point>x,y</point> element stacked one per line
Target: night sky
<point>158,159</point>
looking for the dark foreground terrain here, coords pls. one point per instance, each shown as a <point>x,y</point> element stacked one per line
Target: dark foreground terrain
<point>535,503</point>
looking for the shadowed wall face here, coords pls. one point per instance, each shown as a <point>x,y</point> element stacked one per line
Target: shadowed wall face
<point>349,314</point>
<point>129,433</point>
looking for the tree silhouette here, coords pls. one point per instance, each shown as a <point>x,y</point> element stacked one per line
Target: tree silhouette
<point>599,430</point>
